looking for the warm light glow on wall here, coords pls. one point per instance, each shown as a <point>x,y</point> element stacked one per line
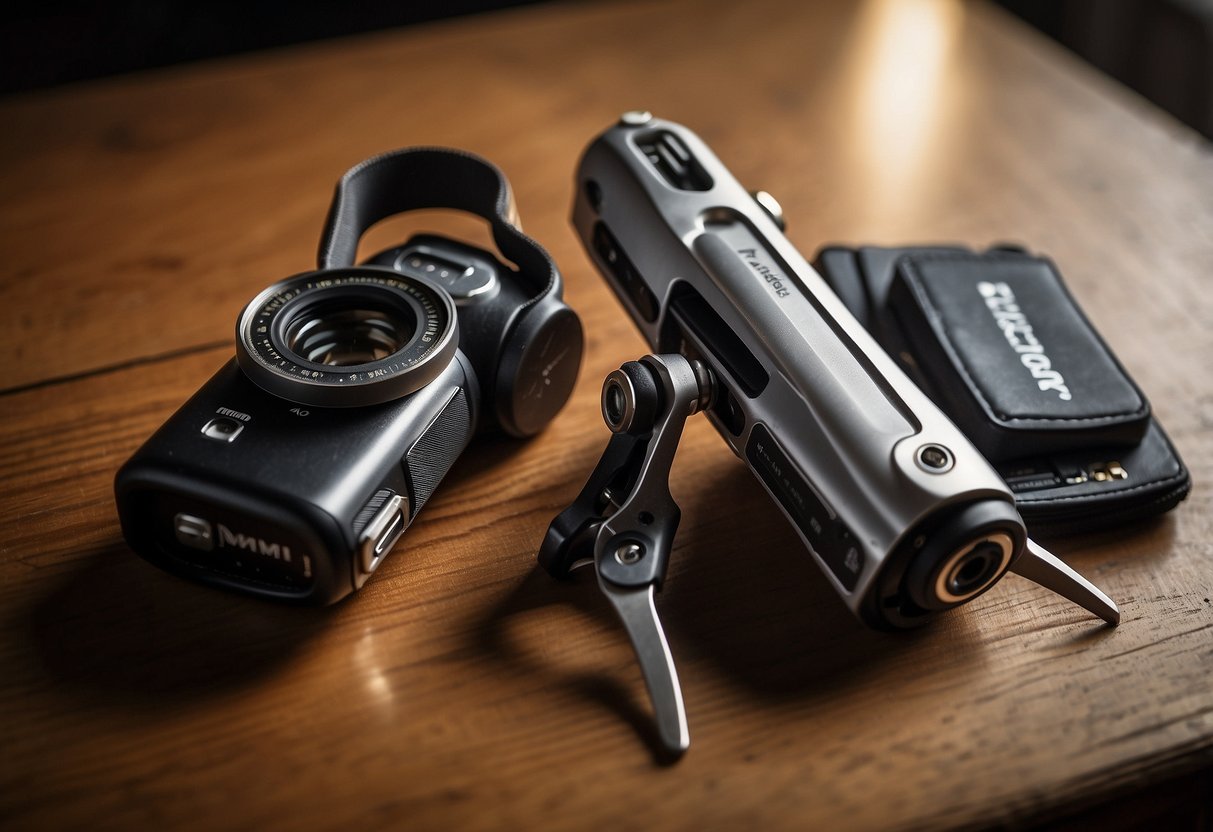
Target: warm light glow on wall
<point>901,53</point>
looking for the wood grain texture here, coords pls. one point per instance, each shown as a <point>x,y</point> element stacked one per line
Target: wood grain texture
<point>461,689</point>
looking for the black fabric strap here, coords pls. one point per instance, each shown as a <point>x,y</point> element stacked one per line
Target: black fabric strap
<point>432,177</point>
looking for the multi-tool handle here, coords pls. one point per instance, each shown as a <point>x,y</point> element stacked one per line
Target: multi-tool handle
<point>899,509</point>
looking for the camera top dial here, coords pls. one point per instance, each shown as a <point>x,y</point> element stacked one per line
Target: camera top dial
<point>347,337</point>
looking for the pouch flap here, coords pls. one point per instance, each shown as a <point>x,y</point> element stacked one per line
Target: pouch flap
<point>1012,357</point>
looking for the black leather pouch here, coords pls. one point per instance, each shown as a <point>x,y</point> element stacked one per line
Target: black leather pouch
<point>998,342</point>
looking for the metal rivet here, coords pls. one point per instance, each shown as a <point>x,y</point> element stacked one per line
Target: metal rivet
<point>629,553</point>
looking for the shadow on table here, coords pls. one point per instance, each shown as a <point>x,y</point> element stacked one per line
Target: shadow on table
<point>744,596</point>
<point>741,594</point>
<point>118,631</point>
<point>538,590</point>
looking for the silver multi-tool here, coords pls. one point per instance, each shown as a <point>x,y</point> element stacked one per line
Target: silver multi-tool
<point>903,515</point>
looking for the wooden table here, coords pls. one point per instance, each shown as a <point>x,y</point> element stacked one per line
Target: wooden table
<point>462,688</point>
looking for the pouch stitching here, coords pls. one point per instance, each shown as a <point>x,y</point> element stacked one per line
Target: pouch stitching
<point>1172,478</point>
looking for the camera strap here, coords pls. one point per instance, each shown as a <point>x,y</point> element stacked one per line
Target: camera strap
<point>433,177</point>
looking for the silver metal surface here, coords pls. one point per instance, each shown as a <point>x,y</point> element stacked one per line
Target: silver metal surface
<point>194,532</point>
<point>382,533</point>
<point>771,205</point>
<point>1039,565</point>
<point>847,417</point>
<point>629,553</point>
<point>638,613</point>
<point>618,382</point>
<point>934,459</point>
<point>707,386</point>
<point>831,426</point>
<point>222,429</point>
<point>649,512</point>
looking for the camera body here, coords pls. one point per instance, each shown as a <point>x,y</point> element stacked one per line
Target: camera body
<point>246,490</point>
<point>294,470</point>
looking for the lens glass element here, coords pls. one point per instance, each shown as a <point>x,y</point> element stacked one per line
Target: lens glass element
<point>339,333</point>
<point>975,569</point>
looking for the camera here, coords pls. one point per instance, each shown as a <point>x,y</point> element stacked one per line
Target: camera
<point>295,469</point>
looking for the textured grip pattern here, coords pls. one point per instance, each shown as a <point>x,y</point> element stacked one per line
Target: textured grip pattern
<point>431,457</point>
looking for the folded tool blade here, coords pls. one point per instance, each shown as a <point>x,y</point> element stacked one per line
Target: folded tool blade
<point>1037,564</point>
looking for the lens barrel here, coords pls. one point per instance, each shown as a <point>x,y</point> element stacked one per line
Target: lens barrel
<point>347,337</point>
<point>965,554</point>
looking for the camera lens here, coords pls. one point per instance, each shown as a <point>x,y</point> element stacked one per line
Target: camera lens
<point>975,568</point>
<point>347,337</point>
<point>338,333</point>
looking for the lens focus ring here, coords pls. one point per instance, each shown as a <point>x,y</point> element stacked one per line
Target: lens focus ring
<point>347,337</point>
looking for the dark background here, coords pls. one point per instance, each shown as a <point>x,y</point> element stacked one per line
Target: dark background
<point>46,44</point>
<point>1163,49</point>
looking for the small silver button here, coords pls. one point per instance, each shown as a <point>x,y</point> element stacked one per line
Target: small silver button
<point>193,532</point>
<point>934,459</point>
<point>771,207</point>
<point>222,429</point>
<point>382,533</point>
